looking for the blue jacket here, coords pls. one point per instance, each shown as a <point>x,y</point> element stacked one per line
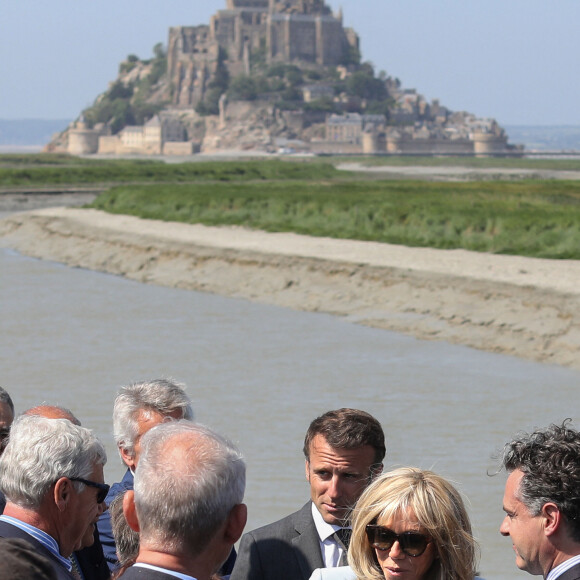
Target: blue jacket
<point>104,524</point>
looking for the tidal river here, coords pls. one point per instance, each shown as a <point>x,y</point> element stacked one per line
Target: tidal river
<point>259,374</point>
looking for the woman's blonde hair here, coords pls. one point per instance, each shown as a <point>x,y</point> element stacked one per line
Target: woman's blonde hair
<point>438,508</point>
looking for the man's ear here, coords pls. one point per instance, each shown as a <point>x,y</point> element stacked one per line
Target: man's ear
<point>129,510</point>
<point>307,466</point>
<point>128,458</point>
<point>63,490</point>
<point>236,523</point>
<point>376,470</point>
<point>552,518</point>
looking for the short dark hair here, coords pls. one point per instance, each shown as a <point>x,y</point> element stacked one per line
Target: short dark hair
<point>347,429</point>
<point>5,398</point>
<point>550,461</point>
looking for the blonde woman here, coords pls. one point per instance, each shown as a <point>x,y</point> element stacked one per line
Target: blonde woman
<point>409,524</point>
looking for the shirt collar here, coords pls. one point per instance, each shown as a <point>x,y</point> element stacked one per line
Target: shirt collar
<point>164,570</point>
<point>45,539</point>
<point>563,567</point>
<point>324,529</point>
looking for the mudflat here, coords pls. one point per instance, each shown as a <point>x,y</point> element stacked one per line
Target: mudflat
<point>525,307</point>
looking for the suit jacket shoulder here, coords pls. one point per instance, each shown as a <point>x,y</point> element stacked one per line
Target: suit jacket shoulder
<point>7,530</point>
<point>288,549</point>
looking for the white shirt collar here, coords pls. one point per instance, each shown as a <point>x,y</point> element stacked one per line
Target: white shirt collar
<point>164,570</point>
<point>324,529</point>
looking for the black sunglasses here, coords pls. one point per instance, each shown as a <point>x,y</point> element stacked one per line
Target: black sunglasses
<point>102,487</point>
<point>412,543</point>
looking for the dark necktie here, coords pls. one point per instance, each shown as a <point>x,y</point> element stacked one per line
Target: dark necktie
<point>76,571</point>
<point>342,538</point>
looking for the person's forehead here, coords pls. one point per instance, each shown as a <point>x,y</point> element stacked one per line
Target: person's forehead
<point>400,517</point>
<point>322,452</point>
<point>512,486</point>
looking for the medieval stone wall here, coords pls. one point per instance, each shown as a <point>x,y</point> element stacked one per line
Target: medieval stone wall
<point>290,31</point>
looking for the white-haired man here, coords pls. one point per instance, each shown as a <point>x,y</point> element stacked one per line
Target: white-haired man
<point>52,475</point>
<point>138,407</point>
<point>187,502</point>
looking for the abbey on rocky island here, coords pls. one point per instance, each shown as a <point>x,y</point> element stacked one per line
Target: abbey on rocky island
<point>307,91</point>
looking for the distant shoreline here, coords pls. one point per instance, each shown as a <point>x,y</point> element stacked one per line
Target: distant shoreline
<point>21,148</point>
<point>524,307</point>
<point>28,133</point>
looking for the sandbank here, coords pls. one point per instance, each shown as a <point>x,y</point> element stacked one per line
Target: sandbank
<point>525,307</point>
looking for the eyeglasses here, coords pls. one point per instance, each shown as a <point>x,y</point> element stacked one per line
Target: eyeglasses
<point>102,487</point>
<point>412,543</point>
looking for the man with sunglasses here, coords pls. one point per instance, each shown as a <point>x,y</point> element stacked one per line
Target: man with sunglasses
<point>52,475</point>
<point>88,560</point>
<point>344,450</point>
<point>542,501</point>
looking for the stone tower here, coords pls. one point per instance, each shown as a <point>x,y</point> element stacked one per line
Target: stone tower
<point>290,31</point>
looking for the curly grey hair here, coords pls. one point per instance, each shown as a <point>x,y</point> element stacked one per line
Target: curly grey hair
<point>550,461</point>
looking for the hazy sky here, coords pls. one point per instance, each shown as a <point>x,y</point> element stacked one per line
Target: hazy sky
<point>515,60</point>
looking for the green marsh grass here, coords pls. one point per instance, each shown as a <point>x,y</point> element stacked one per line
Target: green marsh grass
<point>146,171</point>
<point>530,218</point>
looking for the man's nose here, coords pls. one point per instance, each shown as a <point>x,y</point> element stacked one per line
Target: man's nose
<point>334,487</point>
<point>102,508</point>
<point>504,529</point>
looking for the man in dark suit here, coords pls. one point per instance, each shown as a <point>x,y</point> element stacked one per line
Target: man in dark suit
<point>52,475</point>
<point>542,501</point>
<point>344,451</point>
<point>188,524</point>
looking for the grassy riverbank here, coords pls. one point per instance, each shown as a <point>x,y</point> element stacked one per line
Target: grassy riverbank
<point>38,170</point>
<point>528,218</point>
<point>539,218</point>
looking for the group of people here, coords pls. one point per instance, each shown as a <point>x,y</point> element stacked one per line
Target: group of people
<point>179,511</point>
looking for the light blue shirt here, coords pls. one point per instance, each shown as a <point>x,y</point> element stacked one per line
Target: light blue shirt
<point>47,541</point>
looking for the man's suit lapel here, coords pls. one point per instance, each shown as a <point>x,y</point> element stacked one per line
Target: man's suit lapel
<point>307,542</point>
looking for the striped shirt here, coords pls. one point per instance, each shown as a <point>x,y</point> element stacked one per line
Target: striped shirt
<point>563,567</point>
<point>47,541</point>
